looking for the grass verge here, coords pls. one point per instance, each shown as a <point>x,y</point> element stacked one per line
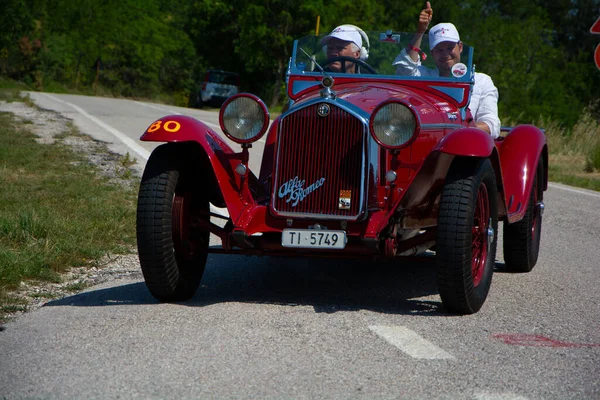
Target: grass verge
<point>574,154</point>
<point>56,211</point>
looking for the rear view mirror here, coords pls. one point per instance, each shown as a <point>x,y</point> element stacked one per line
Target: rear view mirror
<point>389,37</point>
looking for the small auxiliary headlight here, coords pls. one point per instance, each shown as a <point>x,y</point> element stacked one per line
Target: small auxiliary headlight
<point>394,125</point>
<point>244,118</point>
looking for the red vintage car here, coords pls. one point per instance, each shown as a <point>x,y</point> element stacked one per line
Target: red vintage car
<point>371,164</point>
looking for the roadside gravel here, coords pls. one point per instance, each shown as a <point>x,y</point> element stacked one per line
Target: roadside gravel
<point>52,128</point>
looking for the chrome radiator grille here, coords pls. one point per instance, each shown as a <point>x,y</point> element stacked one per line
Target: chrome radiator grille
<point>320,165</point>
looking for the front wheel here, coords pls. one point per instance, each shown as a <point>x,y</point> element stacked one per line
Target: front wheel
<point>172,247</point>
<point>467,233</point>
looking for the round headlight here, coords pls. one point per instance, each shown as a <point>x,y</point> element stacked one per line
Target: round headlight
<point>394,125</point>
<point>244,118</point>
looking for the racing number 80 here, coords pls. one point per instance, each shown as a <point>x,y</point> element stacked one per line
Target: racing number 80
<point>169,126</point>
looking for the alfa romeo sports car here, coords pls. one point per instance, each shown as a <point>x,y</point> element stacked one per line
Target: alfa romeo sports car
<point>371,164</point>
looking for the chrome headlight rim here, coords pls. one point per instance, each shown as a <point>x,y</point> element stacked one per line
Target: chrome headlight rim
<point>417,123</point>
<point>263,108</point>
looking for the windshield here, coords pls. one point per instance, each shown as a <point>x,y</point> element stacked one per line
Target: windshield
<point>384,49</point>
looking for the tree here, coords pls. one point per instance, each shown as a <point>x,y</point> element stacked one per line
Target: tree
<point>538,53</point>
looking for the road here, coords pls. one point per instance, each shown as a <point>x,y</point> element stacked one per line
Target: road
<point>273,328</point>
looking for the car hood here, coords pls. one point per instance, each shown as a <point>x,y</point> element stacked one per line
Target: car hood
<point>427,102</point>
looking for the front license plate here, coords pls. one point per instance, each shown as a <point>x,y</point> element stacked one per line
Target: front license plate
<point>311,239</point>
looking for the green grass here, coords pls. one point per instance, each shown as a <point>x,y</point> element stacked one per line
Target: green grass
<point>56,211</point>
<point>10,90</point>
<point>6,83</point>
<point>574,154</point>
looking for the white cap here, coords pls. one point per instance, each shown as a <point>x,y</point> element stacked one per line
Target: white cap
<point>347,33</point>
<point>444,32</point>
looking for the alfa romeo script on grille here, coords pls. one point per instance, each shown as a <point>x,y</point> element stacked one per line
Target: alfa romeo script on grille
<point>295,191</point>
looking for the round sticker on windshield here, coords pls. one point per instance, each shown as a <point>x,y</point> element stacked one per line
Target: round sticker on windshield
<point>459,70</point>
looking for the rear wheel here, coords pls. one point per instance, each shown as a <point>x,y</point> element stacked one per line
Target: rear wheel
<point>467,233</point>
<point>172,246</point>
<point>521,240</point>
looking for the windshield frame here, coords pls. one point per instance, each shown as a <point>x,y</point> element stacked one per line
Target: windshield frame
<point>311,44</point>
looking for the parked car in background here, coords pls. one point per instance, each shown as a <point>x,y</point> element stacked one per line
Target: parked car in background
<point>217,85</point>
<point>370,165</point>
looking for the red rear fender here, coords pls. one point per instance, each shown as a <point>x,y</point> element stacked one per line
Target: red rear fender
<point>520,153</point>
<point>235,190</point>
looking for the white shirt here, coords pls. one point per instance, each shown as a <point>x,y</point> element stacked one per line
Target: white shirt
<point>484,98</point>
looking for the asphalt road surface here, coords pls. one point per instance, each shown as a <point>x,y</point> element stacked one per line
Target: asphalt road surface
<point>273,328</point>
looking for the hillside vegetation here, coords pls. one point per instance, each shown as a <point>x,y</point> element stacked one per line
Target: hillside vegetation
<point>539,53</point>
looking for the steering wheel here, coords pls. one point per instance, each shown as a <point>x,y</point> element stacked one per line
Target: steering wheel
<point>356,61</point>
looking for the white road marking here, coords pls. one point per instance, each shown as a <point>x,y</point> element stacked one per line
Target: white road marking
<point>126,140</point>
<point>410,342</point>
<point>573,190</point>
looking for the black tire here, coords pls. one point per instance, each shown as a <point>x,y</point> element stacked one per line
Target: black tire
<point>521,240</point>
<point>172,249</point>
<point>467,234</point>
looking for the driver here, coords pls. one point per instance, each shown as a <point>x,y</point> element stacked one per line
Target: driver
<point>345,41</point>
<point>446,47</point>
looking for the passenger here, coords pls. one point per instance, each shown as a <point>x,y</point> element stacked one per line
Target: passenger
<point>446,48</point>
<point>345,40</point>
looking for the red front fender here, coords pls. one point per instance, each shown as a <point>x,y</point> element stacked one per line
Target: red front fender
<point>471,142</point>
<point>520,153</point>
<point>181,128</point>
